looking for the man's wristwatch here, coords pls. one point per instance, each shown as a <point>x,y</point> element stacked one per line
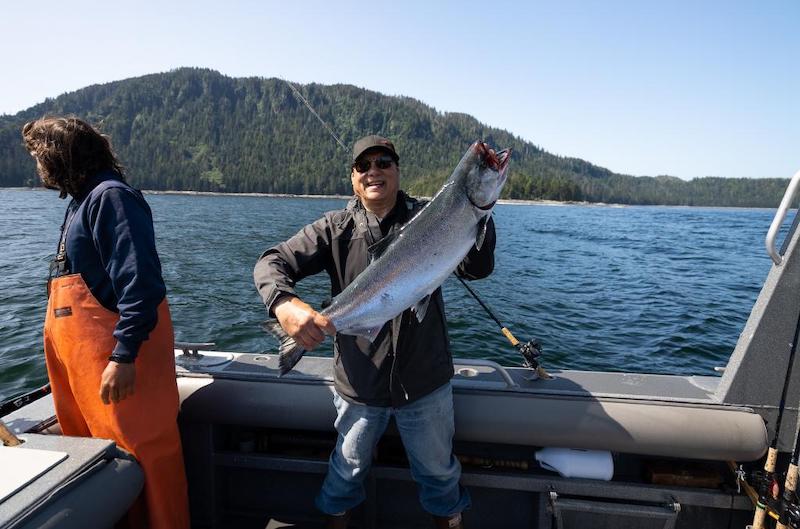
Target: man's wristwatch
<point>121,359</point>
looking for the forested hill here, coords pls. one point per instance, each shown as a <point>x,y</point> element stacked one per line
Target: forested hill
<point>195,129</point>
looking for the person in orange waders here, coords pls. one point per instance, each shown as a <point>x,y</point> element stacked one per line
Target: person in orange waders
<point>108,336</point>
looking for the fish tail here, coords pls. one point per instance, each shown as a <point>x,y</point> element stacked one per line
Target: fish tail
<point>289,351</point>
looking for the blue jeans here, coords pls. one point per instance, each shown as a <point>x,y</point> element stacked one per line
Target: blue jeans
<point>426,429</point>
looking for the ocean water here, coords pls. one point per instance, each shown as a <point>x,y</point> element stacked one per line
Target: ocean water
<point>641,289</point>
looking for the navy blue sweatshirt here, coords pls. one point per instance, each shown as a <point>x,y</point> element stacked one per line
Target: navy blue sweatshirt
<point>111,243</point>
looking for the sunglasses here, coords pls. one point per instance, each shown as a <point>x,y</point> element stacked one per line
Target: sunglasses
<point>384,162</point>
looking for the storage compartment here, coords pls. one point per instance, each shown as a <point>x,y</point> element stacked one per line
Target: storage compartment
<point>252,476</point>
<point>580,513</point>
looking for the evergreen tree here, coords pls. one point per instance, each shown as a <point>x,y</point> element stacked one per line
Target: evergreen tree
<point>195,129</point>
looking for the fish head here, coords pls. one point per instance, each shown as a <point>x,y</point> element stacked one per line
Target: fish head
<point>486,172</point>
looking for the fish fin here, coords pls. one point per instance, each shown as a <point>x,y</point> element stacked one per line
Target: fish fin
<point>377,249</point>
<point>481,232</point>
<point>289,352</point>
<point>421,308</point>
<point>368,334</point>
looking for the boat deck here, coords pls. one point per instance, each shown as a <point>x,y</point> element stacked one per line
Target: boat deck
<point>256,447</point>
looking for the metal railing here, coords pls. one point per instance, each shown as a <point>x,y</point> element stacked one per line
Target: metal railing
<point>780,216</point>
<point>470,362</point>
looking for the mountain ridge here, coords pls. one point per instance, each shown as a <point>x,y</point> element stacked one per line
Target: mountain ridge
<point>194,129</point>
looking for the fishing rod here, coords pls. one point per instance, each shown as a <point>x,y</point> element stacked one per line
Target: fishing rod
<point>7,437</point>
<point>767,484</point>
<point>15,403</point>
<point>789,510</point>
<point>299,96</point>
<point>530,350</point>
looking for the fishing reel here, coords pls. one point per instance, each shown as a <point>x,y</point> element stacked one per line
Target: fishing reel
<point>792,515</point>
<point>778,505</point>
<point>531,351</point>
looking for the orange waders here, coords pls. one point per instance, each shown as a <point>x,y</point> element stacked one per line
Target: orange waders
<point>77,343</point>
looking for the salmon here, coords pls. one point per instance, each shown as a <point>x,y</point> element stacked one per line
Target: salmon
<point>408,266</point>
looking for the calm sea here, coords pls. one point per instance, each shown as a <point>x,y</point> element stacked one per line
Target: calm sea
<point>642,289</point>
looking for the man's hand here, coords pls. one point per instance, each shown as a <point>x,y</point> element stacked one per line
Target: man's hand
<point>116,382</point>
<point>307,326</point>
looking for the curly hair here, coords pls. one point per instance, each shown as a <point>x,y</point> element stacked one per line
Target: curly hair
<point>69,151</point>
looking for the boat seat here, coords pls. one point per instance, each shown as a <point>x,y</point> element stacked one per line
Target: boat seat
<point>652,415</point>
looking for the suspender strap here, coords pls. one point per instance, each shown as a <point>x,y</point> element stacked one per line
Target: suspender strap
<point>59,266</point>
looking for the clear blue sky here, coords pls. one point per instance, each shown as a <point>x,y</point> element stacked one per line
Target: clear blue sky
<point>686,88</point>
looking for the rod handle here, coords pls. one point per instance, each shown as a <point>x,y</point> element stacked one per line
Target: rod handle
<point>7,436</point>
<point>509,336</point>
<point>791,478</point>
<point>761,508</point>
<point>788,492</point>
<point>758,518</point>
<point>772,459</point>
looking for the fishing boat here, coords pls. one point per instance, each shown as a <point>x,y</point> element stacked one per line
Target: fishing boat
<point>581,449</point>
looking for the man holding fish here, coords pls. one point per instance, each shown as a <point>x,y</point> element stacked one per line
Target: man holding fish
<point>387,255</point>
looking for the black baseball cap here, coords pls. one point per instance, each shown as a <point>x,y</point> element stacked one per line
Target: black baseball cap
<point>372,142</point>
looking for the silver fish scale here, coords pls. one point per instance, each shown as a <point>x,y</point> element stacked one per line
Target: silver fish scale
<point>427,250</point>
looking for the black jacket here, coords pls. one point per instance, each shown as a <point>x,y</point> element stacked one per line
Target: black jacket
<point>338,243</point>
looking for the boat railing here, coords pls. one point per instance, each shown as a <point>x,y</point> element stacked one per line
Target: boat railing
<point>757,369</point>
<point>192,358</point>
<point>780,216</point>
<point>467,364</point>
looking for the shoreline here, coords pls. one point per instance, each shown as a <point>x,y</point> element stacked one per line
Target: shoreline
<point>347,197</point>
<point>219,193</point>
<point>513,201</point>
<point>505,201</point>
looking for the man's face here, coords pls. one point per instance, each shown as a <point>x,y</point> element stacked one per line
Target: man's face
<point>377,183</point>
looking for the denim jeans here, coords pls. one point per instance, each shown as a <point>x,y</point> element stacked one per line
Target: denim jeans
<point>426,429</point>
